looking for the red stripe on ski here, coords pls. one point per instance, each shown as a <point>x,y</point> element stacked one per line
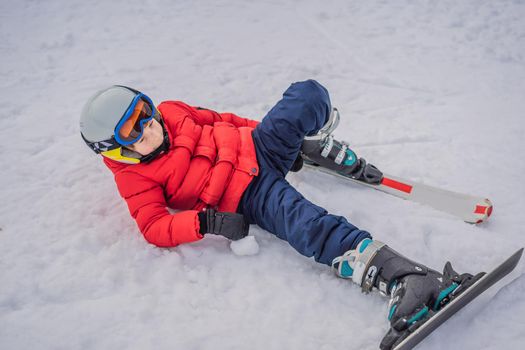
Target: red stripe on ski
<point>480,209</point>
<point>396,185</point>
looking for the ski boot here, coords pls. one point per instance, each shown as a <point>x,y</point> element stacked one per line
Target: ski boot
<point>323,150</point>
<point>416,292</point>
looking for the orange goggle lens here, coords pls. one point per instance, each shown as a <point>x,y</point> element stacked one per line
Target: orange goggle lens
<point>130,129</point>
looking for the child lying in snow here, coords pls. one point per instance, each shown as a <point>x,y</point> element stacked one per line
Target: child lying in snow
<point>223,172</point>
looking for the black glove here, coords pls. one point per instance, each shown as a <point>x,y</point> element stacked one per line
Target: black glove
<point>230,225</point>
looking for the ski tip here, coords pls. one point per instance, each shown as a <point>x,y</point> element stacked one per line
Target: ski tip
<point>483,211</point>
<point>514,259</point>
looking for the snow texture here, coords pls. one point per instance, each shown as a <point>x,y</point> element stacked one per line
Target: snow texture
<point>246,246</point>
<point>429,90</point>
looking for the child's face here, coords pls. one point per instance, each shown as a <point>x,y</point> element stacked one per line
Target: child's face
<point>151,138</point>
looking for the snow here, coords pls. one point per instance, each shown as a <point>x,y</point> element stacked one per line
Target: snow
<point>431,91</point>
<point>246,246</point>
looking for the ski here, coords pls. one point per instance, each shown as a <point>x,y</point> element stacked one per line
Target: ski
<point>414,337</point>
<point>469,208</point>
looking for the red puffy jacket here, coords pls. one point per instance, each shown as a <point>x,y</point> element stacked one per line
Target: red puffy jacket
<point>210,162</point>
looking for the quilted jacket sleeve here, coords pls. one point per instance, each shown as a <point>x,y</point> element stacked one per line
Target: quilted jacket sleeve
<point>147,205</point>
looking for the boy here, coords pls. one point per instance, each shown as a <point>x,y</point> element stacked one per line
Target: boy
<point>223,172</point>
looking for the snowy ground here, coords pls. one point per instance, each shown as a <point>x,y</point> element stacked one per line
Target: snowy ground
<point>428,90</point>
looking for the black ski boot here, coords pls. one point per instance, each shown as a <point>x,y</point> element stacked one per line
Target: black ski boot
<point>323,150</point>
<point>416,292</point>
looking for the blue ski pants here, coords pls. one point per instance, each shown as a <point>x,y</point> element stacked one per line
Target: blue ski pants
<point>275,205</point>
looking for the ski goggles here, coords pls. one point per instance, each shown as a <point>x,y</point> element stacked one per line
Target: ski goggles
<point>131,126</point>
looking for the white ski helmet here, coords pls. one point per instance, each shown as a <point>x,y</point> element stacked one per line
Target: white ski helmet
<point>111,111</point>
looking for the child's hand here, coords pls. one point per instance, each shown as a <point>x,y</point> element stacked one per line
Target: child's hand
<point>230,225</point>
